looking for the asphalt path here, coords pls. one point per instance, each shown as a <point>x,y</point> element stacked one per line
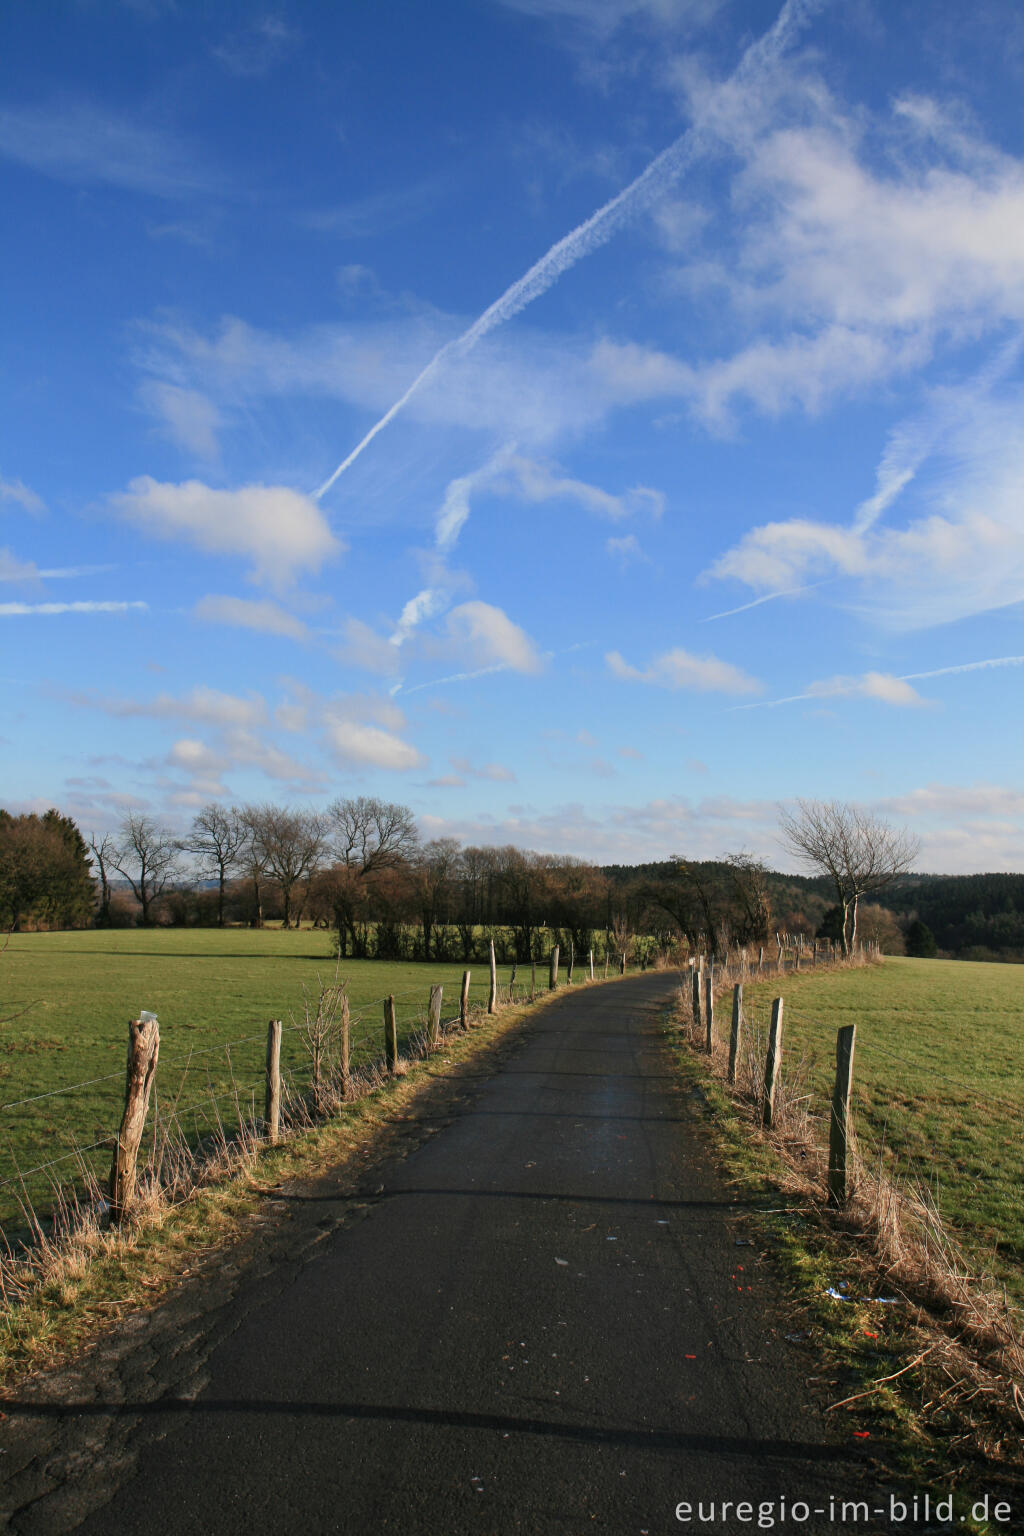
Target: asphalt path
<point>551,1319</point>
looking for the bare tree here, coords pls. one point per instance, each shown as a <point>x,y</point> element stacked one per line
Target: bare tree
<point>252,859</point>
<point>293,845</point>
<point>146,854</point>
<point>859,853</point>
<point>433,873</point>
<point>216,839</point>
<point>367,837</point>
<point>104,852</point>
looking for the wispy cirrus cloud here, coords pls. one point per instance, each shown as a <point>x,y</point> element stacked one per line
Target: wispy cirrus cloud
<point>246,613</point>
<point>85,144</point>
<point>30,610</point>
<point>20,495</point>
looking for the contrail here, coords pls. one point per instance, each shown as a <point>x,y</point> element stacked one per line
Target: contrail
<point>768,597</point>
<point>600,227</point>
<point>906,677</point>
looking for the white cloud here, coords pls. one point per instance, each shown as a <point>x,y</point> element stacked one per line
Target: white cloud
<point>187,417</point>
<point>495,773</point>
<point>253,53</point>
<point>204,705</point>
<point>82,144</point>
<point>369,746</point>
<point>487,637</point>
<point>13,569</point>
<point>873,685</point>
<point>18,492</point>
<point>17,610</point>
<point>243,613</point>
<point>681,669</point>
<point>281,531</point>
<point>626,549</point>
<point>365,649</point>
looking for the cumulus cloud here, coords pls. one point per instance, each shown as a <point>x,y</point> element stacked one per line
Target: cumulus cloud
<point>681,669</point>
<point>368,746</point>
<point>243,613</point>
<point>487,637</point>
<point>281,531</point>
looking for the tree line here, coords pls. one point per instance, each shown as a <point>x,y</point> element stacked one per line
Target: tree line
<point>360,868</point>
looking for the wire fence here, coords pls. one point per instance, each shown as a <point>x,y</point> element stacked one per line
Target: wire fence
<point>58,1144</point>
<point>931,1134</point>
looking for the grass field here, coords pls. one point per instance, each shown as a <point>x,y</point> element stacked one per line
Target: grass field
<point>213,991</point>
<point>938,1081</point>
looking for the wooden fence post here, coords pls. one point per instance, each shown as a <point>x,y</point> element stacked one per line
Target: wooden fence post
<point>272,1101</point>
<point>591,965</point>
<point>533,980</point>
<point>464,1001</point>
<point>553,970</point>
<point>709,1009</point>
<point>345,1025</point>
<point>622,963</point>
<point>572,961</point>
<point>734,1032</point>
<point>839,1128</point>
<point>434,1016</point>
<point>390,1035</point>
<point>695,997</point>
<point>492,995</point>
<point>143,1050</point>
<point>771,1066</point>
<point>760,959</point>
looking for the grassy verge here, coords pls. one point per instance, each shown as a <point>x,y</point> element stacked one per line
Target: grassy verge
<point>893,1373</point>
<point>938,1090</point>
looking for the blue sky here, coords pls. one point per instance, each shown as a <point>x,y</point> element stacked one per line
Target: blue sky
<point>704,322</point>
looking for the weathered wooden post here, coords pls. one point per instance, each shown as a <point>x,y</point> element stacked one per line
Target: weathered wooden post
<point>272,1100</point>
<point>760,959</point>
<point>345,1026</point>
<point>143,1050</point>
<point>434,1017</point>
<point>709,1009</point>
<point>814,960</point>
<point>512,982</point>
<point>734,1032</point>
<point>533,980</point>
<point>622,963</point>
<point>695,997</point>
<point>839,1128</point>
<point>492,995</point>
<point>572,961</point>
<point>771,1066</point>
<point>780,963</point>
<point>591,965</point>
<point>553,969</point>
<point>390,1035</point>
<point>464,1001</point>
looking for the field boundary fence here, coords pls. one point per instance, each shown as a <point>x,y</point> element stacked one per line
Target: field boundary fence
<point>805,1101</point>
<point>182,1119</point>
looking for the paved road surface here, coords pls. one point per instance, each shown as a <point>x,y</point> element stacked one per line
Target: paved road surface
<point>541,1326</point>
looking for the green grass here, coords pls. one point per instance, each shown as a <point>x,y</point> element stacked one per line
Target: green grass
<point>938,1082</point>
<point>210,988</point>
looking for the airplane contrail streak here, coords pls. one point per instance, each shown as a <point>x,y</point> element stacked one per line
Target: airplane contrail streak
<point>596,230</point>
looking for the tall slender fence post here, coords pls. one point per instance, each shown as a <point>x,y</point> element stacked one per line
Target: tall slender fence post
<point>622,963</point>
<point>464,1001</point>
<point>434,1016</point>
<point>695,997</point>
<point>591,965</point>
<point>533,980</point>
<point>760,959</point>
<point>734,1031</point>
<point>143,1050</point>
<point>771,1066</point>
<point>272,1099</point>
<point>390,1035</point>
<point>553,970</point>
<point>839,1127</point>
<point>345,1026</point>
<point>492,994</point>
<point>709,1009</point>
<point>572,961</point>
